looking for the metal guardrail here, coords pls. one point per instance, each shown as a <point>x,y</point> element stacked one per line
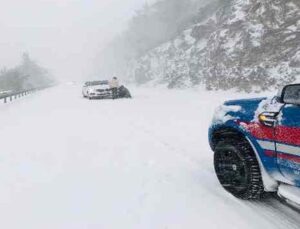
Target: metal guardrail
<point>9,97</point>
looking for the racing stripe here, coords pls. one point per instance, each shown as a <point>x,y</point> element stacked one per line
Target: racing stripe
<point>266,145</point>
<point>285,152</point>
<point>287,140</point>
<point>259,131</point>
<point>270,153</point>
<point>281,148</point>
<point>282,156</point>
<point>293,150</point>
<point>293,158</point>
<point>284,134</point>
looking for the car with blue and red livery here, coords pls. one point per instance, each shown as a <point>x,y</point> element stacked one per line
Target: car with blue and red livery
<point>256,144</point>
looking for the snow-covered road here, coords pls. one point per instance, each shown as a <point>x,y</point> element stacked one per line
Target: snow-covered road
<point>71,163</point>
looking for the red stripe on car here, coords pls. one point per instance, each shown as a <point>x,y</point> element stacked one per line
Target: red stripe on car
<point>288,135</point>
<point>284,134</point>
<point>270,153</point>
<point>288,157</point>
<point>283,156</point>
<point>258,130</point>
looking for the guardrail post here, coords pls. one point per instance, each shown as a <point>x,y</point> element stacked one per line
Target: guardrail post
<point>5,99</point>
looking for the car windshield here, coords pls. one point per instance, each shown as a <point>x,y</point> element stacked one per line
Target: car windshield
<point>96,83</point>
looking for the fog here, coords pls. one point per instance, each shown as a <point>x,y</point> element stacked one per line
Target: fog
<point>62,35</point>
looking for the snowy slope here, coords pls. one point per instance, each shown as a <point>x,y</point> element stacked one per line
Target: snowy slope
<point>67,162</point>
<point>251,45</point>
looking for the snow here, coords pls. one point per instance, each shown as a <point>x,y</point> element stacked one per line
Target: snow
<point>239,13</point>
<point>221,115</point>
<point>290,193</point>
<point>256,31</point>
<point>233,43</point>
<point>270,105</point>
<point>270,184</point>
<point>67,162</point>
<point>201,44</point>
<point>164,47</point>
<point>178,42</point>
<point>292,28</point>
<point>188,38</point>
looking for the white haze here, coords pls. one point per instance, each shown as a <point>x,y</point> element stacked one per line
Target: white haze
<point>62,35</point>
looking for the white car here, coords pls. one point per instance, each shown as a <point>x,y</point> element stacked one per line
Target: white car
<point>96,89</point>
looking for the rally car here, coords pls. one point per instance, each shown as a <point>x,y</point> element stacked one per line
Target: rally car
<point>256,144</point>
<point>102,90</point>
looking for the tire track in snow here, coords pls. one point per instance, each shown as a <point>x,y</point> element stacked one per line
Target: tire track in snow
<point>272,207</point>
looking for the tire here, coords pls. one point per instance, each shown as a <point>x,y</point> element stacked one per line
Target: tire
<point>238,169</point>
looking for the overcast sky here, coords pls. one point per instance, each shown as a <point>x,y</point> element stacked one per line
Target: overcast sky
<point>63,35</point>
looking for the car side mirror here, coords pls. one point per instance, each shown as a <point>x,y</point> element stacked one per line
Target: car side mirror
<point>268,119</point>
<point>291,94</point>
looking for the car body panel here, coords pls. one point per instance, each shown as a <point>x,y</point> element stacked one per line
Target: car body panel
<point>278,147</point>
<point>288,143</point>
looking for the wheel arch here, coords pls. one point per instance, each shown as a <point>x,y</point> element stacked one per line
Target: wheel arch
<point>225,132</point>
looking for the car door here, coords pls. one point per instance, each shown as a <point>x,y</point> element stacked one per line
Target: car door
<point>287,134</point>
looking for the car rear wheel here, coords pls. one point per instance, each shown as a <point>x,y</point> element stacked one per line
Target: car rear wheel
<point>238,170</point>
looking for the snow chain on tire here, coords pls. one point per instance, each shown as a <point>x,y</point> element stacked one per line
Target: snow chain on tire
<point>245,180</point>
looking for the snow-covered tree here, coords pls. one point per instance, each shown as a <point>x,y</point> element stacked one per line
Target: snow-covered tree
<point>27,75</point>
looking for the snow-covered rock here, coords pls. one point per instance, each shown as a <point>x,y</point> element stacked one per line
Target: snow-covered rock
<point>251,45</point>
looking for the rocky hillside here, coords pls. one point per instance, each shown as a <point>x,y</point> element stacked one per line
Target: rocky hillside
<point>251,45</point>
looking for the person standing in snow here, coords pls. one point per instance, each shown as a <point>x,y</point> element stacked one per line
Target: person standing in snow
<point>114,85</point>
